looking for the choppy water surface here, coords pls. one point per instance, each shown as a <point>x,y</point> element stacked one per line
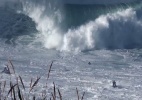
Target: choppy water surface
<point>33,34</point>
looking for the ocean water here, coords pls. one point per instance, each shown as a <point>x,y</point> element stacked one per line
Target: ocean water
<point>34,33</point>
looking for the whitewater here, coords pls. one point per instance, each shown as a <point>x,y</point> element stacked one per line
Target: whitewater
<point>90,45</point>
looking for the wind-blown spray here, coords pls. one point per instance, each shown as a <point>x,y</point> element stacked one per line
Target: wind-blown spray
<point>112,30</point>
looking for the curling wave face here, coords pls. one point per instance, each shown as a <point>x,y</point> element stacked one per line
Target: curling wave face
<point>13,23</point>
<point>61,27</point>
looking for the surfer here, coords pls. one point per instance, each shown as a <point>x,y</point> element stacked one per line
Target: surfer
<point>89,63</point>
<point>6,70</point>
<point>114,84</point>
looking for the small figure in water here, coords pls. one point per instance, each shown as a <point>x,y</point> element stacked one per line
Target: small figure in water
<point>6,70</point>
<point>89,63</point>
<point>114,84</point>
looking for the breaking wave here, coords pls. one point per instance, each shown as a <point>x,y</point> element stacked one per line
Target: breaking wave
<point>85,27</point>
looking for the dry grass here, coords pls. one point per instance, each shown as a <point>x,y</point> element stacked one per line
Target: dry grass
<point>35,83</point>
<point>12,66</point>
<point>77,92</point>
<point>83,96</point>
<point>15,90</point>
<point>60,94</point>
<point>49,70</point>
<point>31,82</point>
<point>22,82</point>
<point>11,88</point>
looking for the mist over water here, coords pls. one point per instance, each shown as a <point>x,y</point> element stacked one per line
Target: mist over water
<point>46,15</point>
<point>84,27</point>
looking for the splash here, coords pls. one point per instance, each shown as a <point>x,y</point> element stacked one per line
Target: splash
<point>119,30</point>
<point>47,19</point>
<point>115,30</point>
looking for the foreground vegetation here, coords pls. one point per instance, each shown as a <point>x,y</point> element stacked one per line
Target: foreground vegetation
<point>18,91</point>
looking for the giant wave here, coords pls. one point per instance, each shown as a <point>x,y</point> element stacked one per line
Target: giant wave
<point>82,27</point>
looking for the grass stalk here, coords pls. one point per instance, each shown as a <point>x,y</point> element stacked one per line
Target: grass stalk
<point>14,95</point>
<point>22,82</point>
<point>11,87</point>
<point>54,90</point>
<point>4,85</point>
<point>31,82</point>
<point>60,94</point>
<point>12,66</point>
<point>53,96</point>
<point>19,93</point>
<point>34,97</point>
<point>83,96</point>
<point>77,93</point>
<point>49,70</point>
<point>35,83</point>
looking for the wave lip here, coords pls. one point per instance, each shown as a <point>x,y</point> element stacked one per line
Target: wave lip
<point>106,27</point>
<point>113,30</point>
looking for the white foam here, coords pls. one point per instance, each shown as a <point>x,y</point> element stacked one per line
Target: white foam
<point>113,30</point>
<point>50,34</point>
<point>97,33</point>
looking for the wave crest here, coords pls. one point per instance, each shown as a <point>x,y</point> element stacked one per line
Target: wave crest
<point>120,29</point>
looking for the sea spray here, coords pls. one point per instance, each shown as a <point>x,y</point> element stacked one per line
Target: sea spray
<point>118,29</point>
<point>47,18</point>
